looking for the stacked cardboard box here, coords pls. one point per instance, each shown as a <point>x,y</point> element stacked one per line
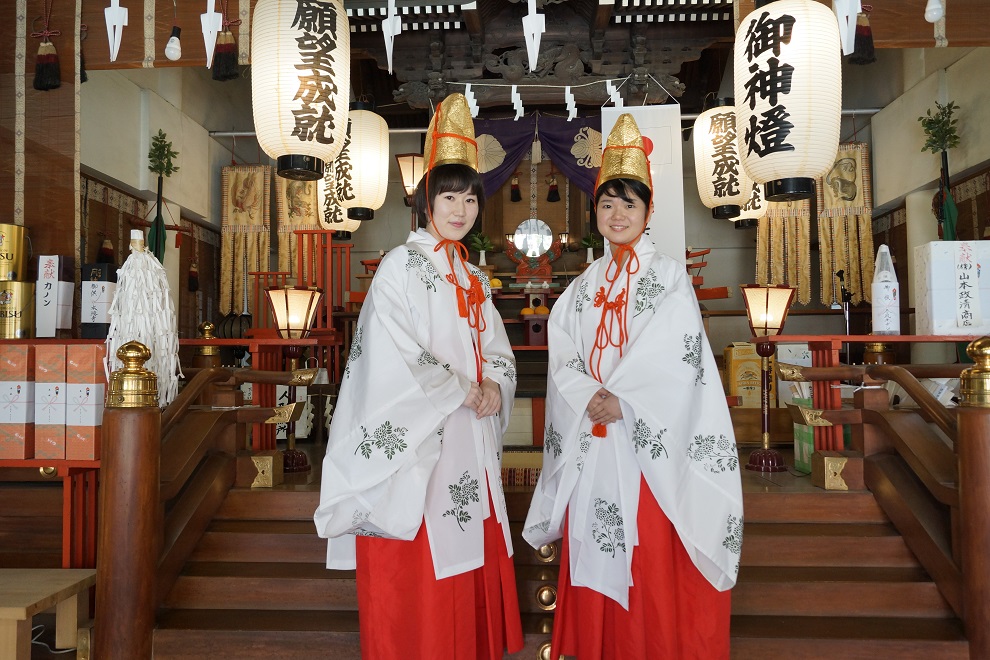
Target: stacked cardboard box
<point>85,393</point>
<point>744,373</point>
<point>49,404</point>
<point>16,401</point>
<point>53,294</point>
<point>952,296</point>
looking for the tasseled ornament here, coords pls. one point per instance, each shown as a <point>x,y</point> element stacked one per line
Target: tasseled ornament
<point>105,255</point>
<point>863,50</point>
<point>514,193</point>
<point>142,311</point>
<point>83,33</point>
<point>47,74</point>
<point>225,57</point>
<point>553,194</point>
<point>193,278</point>
<point>599,431</point>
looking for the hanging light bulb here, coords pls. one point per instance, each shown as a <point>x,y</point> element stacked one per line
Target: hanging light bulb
<point>934,11</point>
<point>173,49</point>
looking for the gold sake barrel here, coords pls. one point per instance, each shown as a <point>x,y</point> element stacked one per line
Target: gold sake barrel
<point>16,310</point>
<point>13,253</point>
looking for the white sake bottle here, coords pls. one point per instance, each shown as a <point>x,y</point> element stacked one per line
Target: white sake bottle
<point>885,295</point>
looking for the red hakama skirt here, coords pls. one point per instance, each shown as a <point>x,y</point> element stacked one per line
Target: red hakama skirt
<point>674,612</point>
<point>406,613</point>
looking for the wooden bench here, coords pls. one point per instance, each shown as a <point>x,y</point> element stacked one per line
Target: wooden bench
<point>25,592</point>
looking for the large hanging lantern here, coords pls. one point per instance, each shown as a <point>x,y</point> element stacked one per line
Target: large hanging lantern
<point>367,151</point>
<point>332,213</point>
<point>752,210</point>
<point>300,81</point>
<point>788,89</point>
<point>723,184</point>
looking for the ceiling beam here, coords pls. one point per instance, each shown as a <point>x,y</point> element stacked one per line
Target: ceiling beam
<point>902,24</point>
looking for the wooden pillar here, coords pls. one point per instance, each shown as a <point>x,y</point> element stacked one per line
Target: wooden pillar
<point>130,533</point>
<point>973,450</point>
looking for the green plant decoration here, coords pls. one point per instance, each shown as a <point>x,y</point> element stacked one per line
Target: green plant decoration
<point>480,243</point>
<point>593,241</point>
<point>940,136</point>
<point>160,158</point>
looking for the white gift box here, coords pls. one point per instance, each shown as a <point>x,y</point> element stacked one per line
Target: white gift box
<point>952,296</point>
<point>49,403</point>
<point>84,404</point>
<point>53,298</point>
<point>799,355</point>
<point>17,402</point>
<point>96,299</point>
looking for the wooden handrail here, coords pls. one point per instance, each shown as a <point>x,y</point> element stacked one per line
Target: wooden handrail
<point>190,395</point>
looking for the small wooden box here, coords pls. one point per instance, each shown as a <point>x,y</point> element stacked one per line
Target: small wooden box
<point>259,470</point>
<point>837,470</point>
<point>536,329</point>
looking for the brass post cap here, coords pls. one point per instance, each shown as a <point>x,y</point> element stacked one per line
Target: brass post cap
<point>974,382</point>
<point>206,330</point>
<point>133,386</point>
<point>876,347</point>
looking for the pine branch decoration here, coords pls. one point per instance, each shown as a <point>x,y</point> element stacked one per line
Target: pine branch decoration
<point>161,155</point>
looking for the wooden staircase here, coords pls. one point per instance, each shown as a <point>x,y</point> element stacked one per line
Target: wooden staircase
<point>824,574</point>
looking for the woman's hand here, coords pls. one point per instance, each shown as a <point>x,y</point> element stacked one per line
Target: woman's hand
<point>604,407</point>
<point>484,399</point>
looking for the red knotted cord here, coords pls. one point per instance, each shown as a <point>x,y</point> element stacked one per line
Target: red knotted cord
<point>46,33</point>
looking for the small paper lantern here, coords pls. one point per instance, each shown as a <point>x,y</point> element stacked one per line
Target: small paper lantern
<point>332,214</point>
<point>294,309</point>
<point>367,153</point>
<point>754,209</point>
<point>788,90</point>
<point>411,168</point>
<point>723,184</point>
<point>300,82</point>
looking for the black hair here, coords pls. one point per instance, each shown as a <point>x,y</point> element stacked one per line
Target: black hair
<point>453,177</point>
<point>624,189</point>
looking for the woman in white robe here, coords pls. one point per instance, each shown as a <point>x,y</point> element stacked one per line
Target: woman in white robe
<point>640,470</point>
<point>411,493</point>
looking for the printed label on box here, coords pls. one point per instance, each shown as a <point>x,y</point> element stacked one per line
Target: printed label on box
<point>49,403</point>
<point>17,402</point>
<point>49,441</point>
<point>82,443</point>
<point>49,363</point>
<point>85,364</point>
<point>16,362</point>
<point>84,405</point>
<point>16,441</point>
<point>951,292</point>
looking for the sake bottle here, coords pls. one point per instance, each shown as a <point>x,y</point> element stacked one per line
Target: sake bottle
<point>885,295</point>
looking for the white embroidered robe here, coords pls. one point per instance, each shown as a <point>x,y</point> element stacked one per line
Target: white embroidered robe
<point>675,431</point>
<point>401,447</point>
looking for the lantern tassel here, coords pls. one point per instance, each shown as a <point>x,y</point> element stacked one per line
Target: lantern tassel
<point>193,278</point>
<point>47,74</point>
<point>863,49</point>
<point>142,311</point>
<point>225,57</point>
<point>105,254</point>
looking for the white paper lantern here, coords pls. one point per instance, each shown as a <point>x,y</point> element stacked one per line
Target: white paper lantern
<point>723,184</point>
<point>753,209</point>
<point>788,91</point>
<point>333,216</point>
<point>367,151</point>
<point>300,82</point>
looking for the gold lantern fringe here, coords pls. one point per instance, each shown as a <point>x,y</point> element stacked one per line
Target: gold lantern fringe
<point>244,232</point>
<point>783,251</point>
<point>845,217</point>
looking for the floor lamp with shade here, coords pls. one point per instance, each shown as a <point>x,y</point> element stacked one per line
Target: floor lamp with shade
<point>766,310</point>
<point>294,309</point>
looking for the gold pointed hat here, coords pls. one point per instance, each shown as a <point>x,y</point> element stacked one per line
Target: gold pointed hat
<point>450,137</point>
<point>625,156</point>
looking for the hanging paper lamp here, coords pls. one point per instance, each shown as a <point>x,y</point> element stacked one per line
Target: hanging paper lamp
<point>332,215</point>
<point>752,210</point>
<point>368,153</point>
<point>723,184</point>
<point>788,90</point>
<point>300,81</point>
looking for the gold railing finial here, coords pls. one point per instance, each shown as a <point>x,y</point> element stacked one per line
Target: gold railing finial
<point>133,386</point>
<point>206,330</point>
<point>974,382</point>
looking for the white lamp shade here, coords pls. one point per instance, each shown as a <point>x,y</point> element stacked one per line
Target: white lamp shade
<point>721,178</point>
<point>411,168</point>
<point>766,307</point>
<point>788,90</point>
<point>294,309</point>
<point>300,78</point>
<point>367,153</point>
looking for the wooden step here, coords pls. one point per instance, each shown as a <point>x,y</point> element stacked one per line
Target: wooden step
<point>290,503</point>
<point>849,638</point>
<point>261,541</point>
<point>812,507</point>
<point>285,634</point>
<point>825,544</point>
<point>834,592</point>
<point>245,585</point>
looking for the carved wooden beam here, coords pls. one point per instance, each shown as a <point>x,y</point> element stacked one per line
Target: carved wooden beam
<point>902,24</point>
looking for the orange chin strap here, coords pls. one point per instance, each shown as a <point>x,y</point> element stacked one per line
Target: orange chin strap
<point>612,326</point>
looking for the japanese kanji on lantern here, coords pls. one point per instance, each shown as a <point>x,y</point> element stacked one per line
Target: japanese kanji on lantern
<point>723,184</point>
<point>300,83</point>
<point>788,87</point>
